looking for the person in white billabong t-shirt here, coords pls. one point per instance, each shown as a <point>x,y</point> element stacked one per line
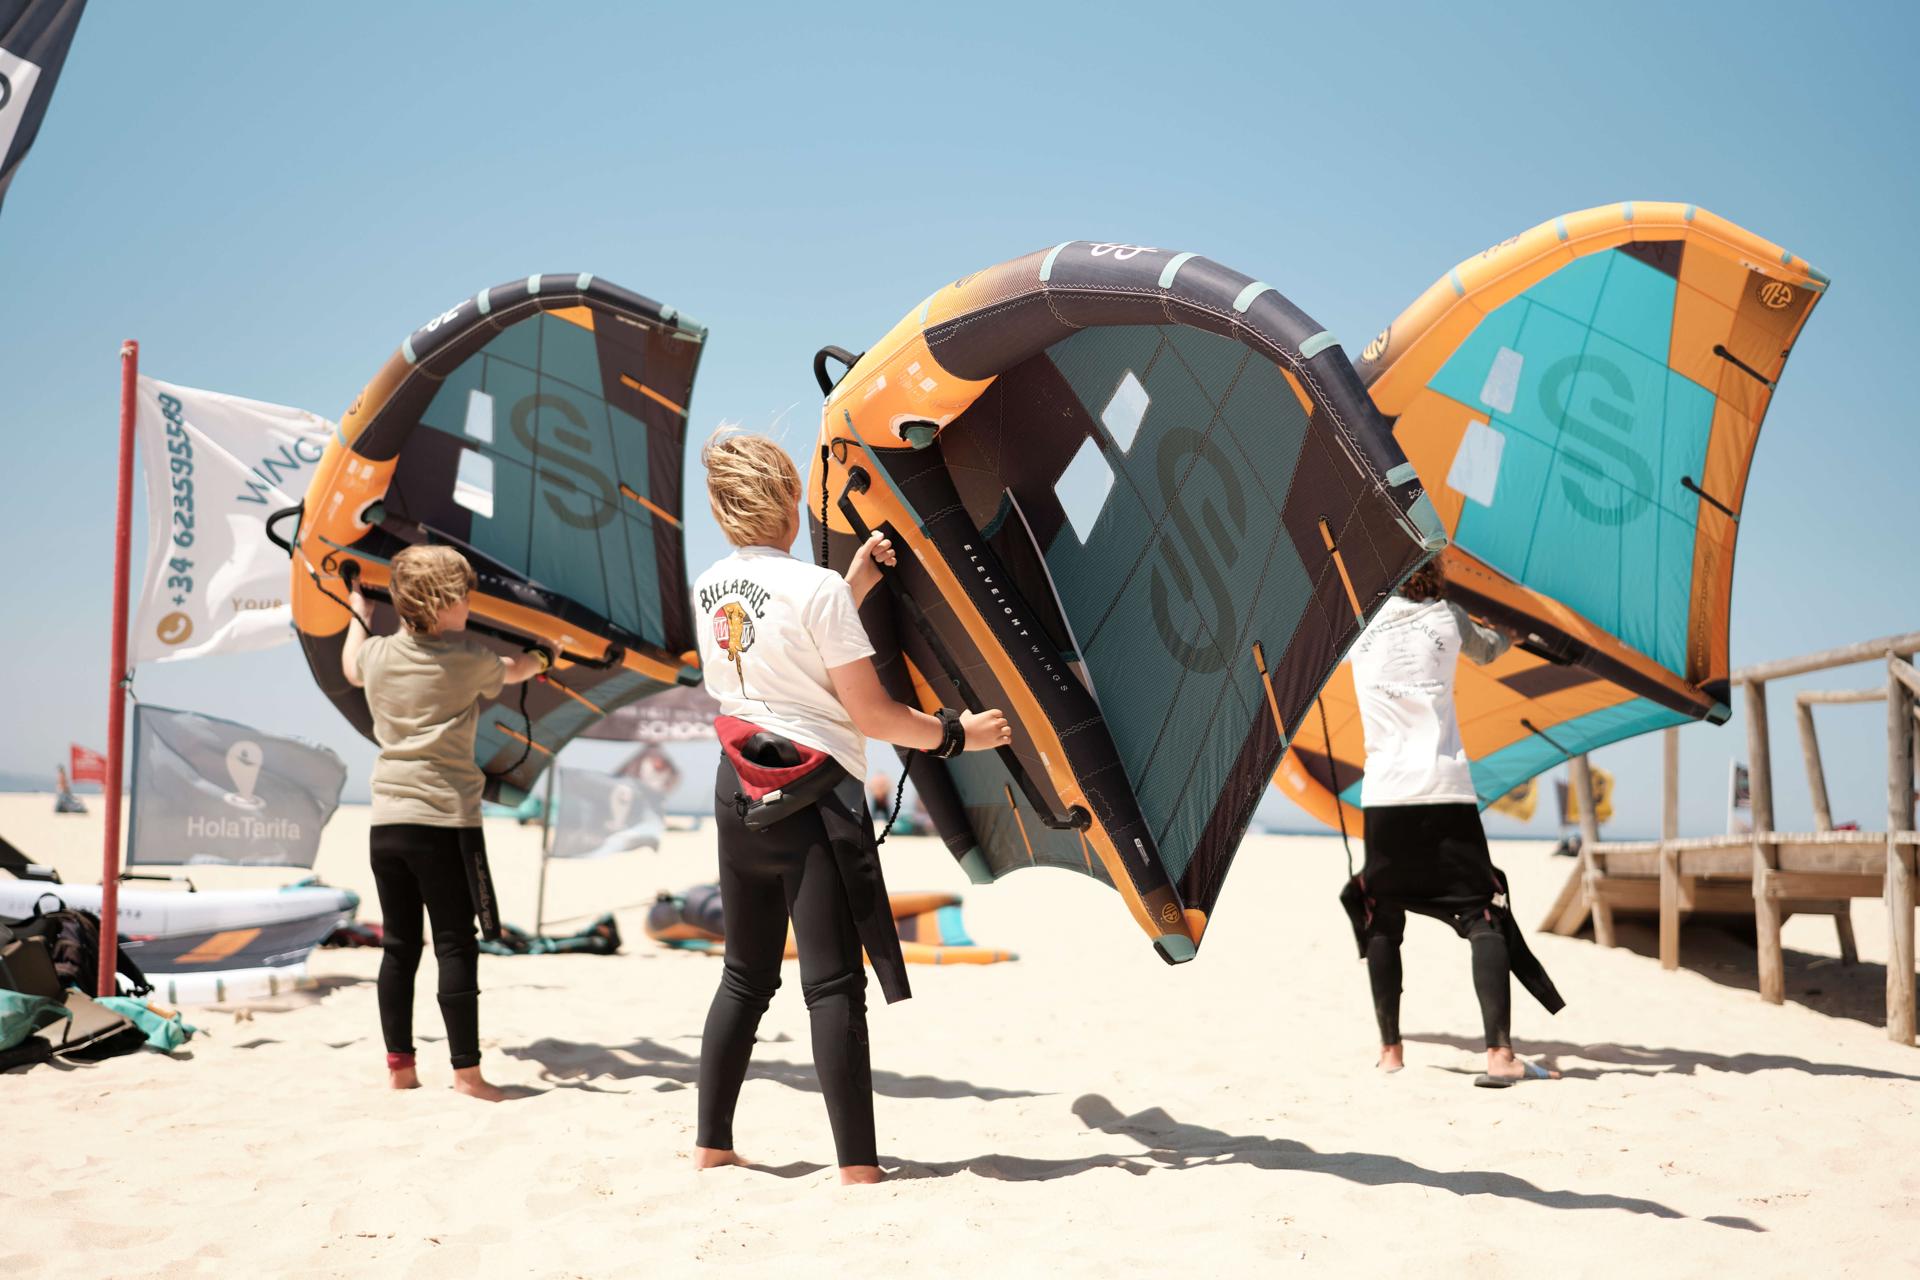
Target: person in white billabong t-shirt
<point>1426,849</point>
<point>782,647</point>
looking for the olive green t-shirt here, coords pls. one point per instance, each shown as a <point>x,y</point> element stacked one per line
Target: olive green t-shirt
<point>424,693</point>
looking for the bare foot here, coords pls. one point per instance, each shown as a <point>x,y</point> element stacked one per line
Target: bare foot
<point>469,1081</point>
<point>1502,1065</point>
<point>403,1078</point>
<point>715,1157</point>
<point>858,1175</point>
<point>1392,1058</point>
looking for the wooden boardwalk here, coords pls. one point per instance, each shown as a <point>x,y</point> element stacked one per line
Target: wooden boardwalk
<point>1775,874</point>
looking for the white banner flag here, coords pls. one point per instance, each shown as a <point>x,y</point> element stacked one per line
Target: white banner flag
<point>217,467</point>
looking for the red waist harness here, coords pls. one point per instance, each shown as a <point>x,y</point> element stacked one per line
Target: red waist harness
<point>778,777</point>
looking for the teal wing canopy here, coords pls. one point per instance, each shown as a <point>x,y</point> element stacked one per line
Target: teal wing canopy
<point>539,428</point>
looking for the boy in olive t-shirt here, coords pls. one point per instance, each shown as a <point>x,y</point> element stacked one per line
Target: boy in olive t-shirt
<point>423,685</point>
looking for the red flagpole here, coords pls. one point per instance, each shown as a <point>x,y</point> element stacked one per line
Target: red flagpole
<point>108,982</point>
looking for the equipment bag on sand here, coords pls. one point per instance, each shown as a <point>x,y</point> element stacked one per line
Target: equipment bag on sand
<point>26,967</point>
<point>73,939</point>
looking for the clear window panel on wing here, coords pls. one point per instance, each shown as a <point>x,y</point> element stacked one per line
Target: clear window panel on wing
<point>473,483</point>
<point>479,422</point>
<point>1083,488</point>
<point>473,479</point>
<point>1125,411</point>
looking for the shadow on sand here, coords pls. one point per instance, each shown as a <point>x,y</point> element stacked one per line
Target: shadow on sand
<point>1650,1060</point>
<point>1723,950</point>
<point>570,1065</point>
<point>1171,1145</point>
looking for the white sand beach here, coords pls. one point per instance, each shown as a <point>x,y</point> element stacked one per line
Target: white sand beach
<point>1084,1111</point>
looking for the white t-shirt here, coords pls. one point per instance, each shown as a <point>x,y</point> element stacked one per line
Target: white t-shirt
<point>1403,667</point>
<point>770,628</point>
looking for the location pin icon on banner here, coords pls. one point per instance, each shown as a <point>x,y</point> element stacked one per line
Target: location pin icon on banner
<point>620,803</point>
<point>243,766</point>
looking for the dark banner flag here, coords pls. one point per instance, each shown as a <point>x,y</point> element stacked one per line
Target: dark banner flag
<point>215,791</point>
<point>681,714</point>
<point>34,37</point>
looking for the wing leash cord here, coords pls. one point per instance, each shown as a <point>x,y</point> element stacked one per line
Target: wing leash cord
<point>1333,775</point>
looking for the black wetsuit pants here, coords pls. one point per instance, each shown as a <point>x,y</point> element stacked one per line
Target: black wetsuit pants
<point>1490,968</point>
<point>418,866</point>
<point>1432,859</point>
<point>787,870</point>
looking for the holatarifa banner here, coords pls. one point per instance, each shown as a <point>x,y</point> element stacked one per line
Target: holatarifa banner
<point>215,791</point>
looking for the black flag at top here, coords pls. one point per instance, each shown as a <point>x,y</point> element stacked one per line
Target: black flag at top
<point>34,37</point>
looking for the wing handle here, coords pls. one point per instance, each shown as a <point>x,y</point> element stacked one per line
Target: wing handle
<point>286,544</point>
<point>838,354</point>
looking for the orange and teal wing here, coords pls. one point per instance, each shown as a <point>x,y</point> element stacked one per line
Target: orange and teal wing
<point>1583,402</point>
<point>539,428</point>
<point>1143,504</point>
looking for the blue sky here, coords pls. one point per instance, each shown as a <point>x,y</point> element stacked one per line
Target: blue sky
<point>269,197</point>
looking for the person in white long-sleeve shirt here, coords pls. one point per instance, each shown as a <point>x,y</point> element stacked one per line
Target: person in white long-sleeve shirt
<point>1426,849</point>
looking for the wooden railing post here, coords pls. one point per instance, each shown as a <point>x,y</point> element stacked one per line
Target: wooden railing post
<point>1670,856</point>
<point>1766,908</point>
<point>1902,682</point>
<point>1816,775</point>
<point>1597,904</point>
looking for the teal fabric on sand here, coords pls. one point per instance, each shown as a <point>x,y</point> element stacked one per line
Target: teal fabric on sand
<point>163,1033</point>
<point>21,1015</point>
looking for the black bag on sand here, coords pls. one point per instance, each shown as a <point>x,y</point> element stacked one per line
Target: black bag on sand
<point>90,1031</point>
<point>26,967</point>
<point>28,1053</point>
<point>73,939</point>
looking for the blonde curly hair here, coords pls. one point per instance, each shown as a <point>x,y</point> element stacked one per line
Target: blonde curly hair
<point>752,486</point>
<point>427,580</point>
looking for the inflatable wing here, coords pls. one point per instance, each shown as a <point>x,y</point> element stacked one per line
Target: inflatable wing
<point>539,427</point>
<point>1583,402</point>
<point>931,927</point>
<point>1143,504</point>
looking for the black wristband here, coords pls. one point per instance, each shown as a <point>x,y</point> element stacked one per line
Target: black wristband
<point>953,734</point>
